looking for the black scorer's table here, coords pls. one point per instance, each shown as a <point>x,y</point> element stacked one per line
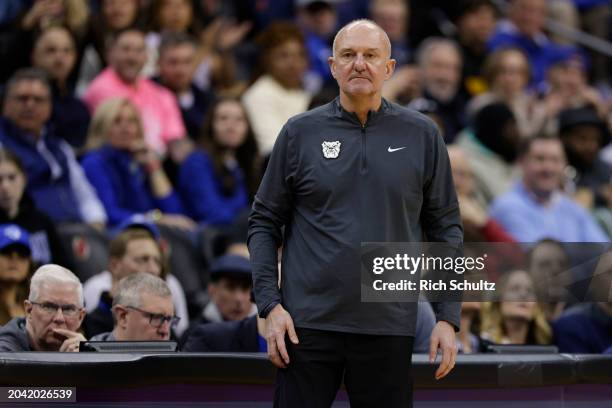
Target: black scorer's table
<point>247,380</point>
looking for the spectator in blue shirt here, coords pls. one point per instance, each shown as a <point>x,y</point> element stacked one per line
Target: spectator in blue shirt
<point>216,181</point>
<point>536,207</point>
<point>125,172</point>
<point>56,181</point>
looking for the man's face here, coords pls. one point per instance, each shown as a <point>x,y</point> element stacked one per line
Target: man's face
<point>543,166</point>
<point>361,61</point>
<point>583,142</point>
<point>549,268</point>
<point>141,255</point>
<point>128,55</point>
<point>442,72</point>
<point>137,325</point>
<point>392,18</point>
<point>528,15</point>
<point>40,322</point>
<point>176,66</point>
<point>232,297</point>
<point>55,53</point>
<point>28,105</point>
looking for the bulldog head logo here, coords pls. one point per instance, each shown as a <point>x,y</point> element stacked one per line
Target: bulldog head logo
<point>331,150</point>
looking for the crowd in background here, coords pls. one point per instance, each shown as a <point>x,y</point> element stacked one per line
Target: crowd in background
<point>131,117</point>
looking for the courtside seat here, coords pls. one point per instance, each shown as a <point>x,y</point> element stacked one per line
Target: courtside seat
<point>86,249</point>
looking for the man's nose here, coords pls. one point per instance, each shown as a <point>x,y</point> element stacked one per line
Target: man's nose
<point>29,103</point>
<point>59,316</point>
<point>164,329</point>
<point>359,62</point>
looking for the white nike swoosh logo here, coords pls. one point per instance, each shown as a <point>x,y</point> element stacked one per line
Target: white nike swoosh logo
<point>391,150</point>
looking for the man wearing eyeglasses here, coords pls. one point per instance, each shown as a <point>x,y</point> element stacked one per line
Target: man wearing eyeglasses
<point>56,180</point>
<point>54,313</point>
<point>135,249</point>
<point>142,309</point>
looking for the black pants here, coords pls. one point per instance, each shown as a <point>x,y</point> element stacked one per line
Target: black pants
<point>376,370</point>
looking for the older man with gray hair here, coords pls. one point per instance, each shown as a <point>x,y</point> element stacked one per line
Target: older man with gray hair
<point>331,169</point>
<point>54,313</point>
<point>440,63</point>
<point>142,310</point>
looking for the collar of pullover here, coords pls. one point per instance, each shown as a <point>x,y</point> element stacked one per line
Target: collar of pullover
<point>340,112</point>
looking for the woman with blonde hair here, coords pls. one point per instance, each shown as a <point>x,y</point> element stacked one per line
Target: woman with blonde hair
<point>126,173</point>
<point>516,318</point>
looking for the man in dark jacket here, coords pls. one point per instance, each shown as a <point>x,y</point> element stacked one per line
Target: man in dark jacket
<point>359,169</point>
<point>54,313</point>
<point>142,310</point>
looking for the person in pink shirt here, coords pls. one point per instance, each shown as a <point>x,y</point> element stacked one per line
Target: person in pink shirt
<point>162,121</point>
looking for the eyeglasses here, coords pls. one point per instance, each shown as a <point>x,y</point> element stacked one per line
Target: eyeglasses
<point>52,308</point>
<point>157,320</point>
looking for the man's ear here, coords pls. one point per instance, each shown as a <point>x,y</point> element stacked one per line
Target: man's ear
<point>27,307</point>
<point>332,66</point>
<point>390,68</point>
<point>120,314</point>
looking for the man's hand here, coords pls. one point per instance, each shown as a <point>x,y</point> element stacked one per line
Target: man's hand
<point>71,344</point>
<point>443,337</point>
<point>278,323</point>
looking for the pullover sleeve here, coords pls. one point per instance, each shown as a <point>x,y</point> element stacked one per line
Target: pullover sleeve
<point>441,219</point>
<point>272,209</point>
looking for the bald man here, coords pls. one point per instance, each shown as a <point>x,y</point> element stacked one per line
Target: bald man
<point>359,169</point>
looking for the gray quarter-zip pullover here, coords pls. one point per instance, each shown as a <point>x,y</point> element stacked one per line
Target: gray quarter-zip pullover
<point>390,182</point>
